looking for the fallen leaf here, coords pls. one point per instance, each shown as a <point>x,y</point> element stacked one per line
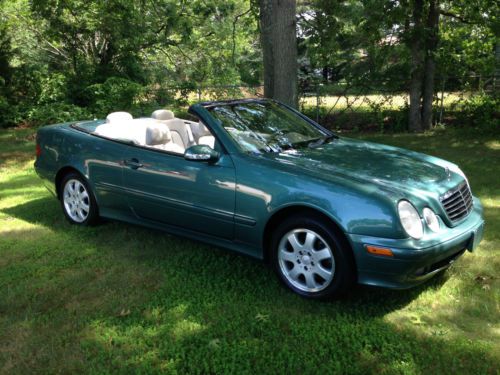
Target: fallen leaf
<point>262,317</point>
<point>215,343</point>
<point>124,312</point>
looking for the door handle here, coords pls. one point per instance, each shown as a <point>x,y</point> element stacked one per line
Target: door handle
<point>133,163</point>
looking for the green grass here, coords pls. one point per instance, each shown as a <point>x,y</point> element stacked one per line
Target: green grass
<point>120,298</point>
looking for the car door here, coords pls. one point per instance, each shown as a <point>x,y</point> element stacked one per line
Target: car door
<point>103,163</point>
<point>166,188</point>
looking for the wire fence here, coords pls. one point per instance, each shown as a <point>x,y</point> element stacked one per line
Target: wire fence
<point>377,105</point>
<point>187,95</point>
<point>352,106</point>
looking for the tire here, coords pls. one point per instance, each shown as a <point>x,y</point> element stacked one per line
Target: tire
<point>77,200</point>
<point>311,259</point>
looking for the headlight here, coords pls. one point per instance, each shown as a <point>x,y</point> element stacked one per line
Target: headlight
<point>410,220</point>
<point>430,219</point>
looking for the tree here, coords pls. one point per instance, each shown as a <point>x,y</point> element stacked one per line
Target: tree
<point>5,56</point>
<point>279,48</point>
<point>423,42</point>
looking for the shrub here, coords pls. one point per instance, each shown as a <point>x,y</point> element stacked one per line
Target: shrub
<point>115,94</point>
<point>481,111</point>
<point>52,113</point>
<point>53,89</point>
<point>6,113</point>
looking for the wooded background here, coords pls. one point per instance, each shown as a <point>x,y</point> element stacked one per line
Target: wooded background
<point>389,65</point>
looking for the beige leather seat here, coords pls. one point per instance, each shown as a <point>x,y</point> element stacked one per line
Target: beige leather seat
<point>180,131</point>
<point>159,136</point>
<point>202,135</point>
<point>149,132</point>
<point>116,117</point>
<point>124,130</point>
<point>199,130</point>
<point>163,115</point>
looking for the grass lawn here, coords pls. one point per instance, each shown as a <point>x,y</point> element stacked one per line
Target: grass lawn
<point>120,298</point>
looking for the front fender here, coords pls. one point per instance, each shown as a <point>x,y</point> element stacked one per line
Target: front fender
<point>262,190</point>
<point>355,210</point>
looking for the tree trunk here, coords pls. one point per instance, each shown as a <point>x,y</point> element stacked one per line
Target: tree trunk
<point>279,48</point>
<point>266,26</point>
<point>417,61</point>
<point>496,82</point>
<point>325,74</point>
<point>430,64</point>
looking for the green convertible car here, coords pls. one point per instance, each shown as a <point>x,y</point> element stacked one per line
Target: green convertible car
<point>260,178</point>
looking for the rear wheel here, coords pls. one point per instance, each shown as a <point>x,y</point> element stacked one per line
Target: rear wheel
<point>310,259</point>
<point>77,200</point>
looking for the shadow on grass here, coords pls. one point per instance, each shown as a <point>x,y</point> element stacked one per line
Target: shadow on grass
<point>16,152</point>
<point>47,212</point>
<point>124,298</point>
<point>18,182</point>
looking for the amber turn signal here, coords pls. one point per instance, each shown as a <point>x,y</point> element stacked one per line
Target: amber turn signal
<point>379,251</point>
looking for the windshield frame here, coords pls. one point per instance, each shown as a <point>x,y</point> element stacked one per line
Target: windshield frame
<point>325,134</point>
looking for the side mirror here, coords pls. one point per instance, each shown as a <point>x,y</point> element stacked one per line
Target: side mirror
<point>201,153</point>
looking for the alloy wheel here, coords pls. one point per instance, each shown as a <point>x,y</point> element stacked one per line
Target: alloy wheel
<point>306,260</point>
<point>76,200</point>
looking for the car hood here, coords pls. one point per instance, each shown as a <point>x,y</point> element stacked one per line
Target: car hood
<point>391,167</point>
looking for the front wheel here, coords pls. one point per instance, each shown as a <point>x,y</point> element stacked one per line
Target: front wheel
<point>77,201</point>
<point>310,259</point>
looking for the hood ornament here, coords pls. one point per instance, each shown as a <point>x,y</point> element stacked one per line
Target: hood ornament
<point>448,172</point>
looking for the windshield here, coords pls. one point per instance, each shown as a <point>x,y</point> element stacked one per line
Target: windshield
<point>265,126</point>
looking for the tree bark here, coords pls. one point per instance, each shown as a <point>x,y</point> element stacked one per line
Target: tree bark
<point>417,61</point>
<point>279,48</point>
<point>432,38</point>
<point>325,74</point>
<point>266,26</point>
<point>496,82</point>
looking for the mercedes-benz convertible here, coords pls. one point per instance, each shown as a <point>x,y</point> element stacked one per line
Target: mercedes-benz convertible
<point>260,178</point>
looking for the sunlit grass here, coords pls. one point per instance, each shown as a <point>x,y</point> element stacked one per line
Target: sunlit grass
<point>356,101</point>
<point>119,298</point>
<point>494,145</point>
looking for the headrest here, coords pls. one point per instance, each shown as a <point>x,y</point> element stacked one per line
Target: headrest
<point>162,114</point>
<point>157,134</point>
<point>184,130</point>
<point>118,116</point>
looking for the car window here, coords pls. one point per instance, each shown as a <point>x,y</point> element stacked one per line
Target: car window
<point>265,126</point>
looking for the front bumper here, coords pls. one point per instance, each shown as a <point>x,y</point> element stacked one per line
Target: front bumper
<point>416,261</point>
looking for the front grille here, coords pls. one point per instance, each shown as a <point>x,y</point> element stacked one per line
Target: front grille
<point>457,202</point>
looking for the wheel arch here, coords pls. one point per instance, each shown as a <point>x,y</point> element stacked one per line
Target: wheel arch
<point>60,175</point>
<point>288,211</point>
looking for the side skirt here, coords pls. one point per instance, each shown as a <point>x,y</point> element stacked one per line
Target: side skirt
<point>239,247</point>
